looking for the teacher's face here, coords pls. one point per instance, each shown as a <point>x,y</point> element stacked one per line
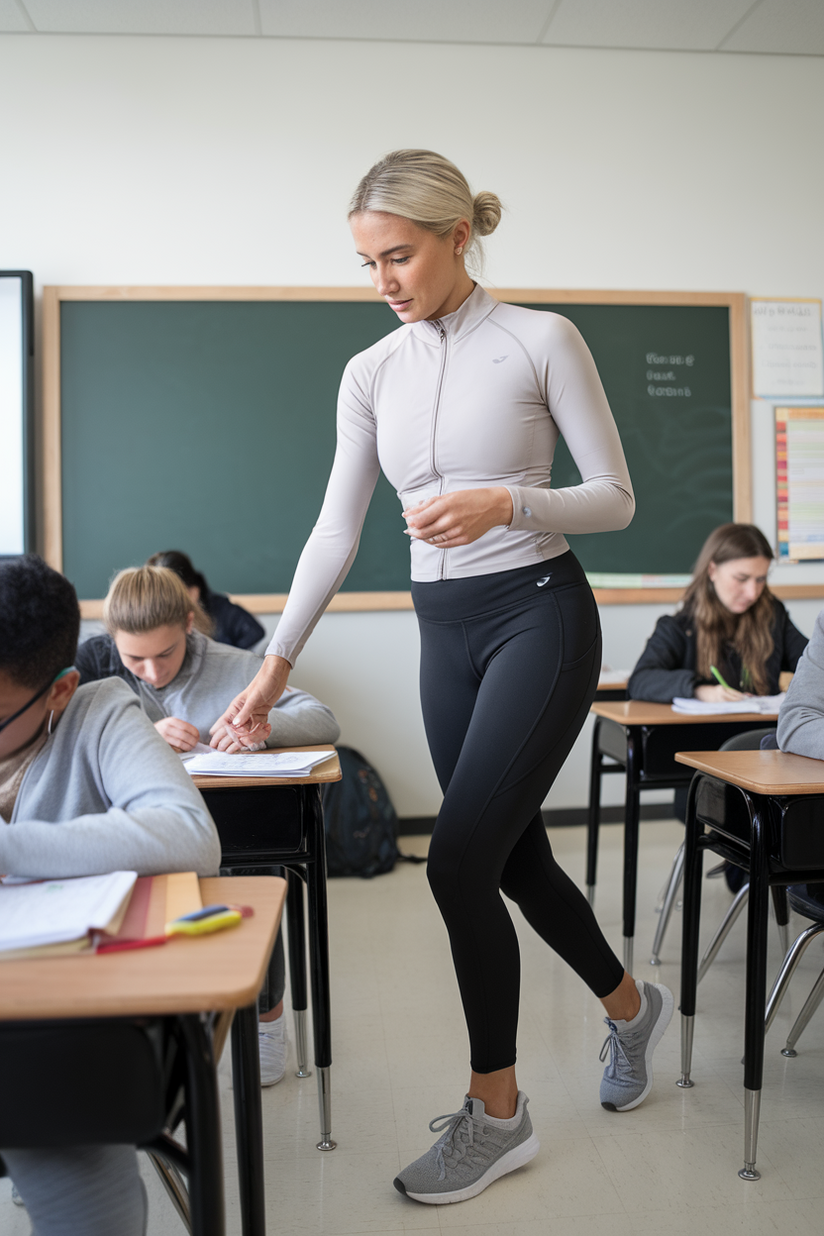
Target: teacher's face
<point>421,276</point>
<point>739,583</point>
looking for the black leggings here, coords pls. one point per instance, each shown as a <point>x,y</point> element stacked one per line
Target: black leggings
<point>509,667</point>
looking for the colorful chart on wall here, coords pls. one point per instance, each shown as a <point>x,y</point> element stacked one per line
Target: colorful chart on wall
<point>799,459</point>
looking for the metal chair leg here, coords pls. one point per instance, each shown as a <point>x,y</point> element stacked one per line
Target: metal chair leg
<point>810,1005</point>
<point>174,1185</point>
<point>674,883</point>
<point>724,929</point>
<point>788,969</point>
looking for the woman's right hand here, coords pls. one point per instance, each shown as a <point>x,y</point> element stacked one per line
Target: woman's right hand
<point>180,735</point>
<point>248,712</point>
<point>719,695</point>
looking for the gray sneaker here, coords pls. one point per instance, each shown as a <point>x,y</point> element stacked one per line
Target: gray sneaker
<point>469,1155</point>
<point>627,1078</point>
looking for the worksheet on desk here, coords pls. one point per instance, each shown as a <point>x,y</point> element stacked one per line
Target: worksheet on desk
<point>54,911</point>
<point>265,764</point>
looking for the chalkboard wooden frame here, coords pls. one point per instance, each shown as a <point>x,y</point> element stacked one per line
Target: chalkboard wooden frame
<point>54,296</point>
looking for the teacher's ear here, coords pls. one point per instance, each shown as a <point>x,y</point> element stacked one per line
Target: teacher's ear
<point>460,236</point>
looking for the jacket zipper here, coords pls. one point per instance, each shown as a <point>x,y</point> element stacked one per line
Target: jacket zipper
<point>444,345</point>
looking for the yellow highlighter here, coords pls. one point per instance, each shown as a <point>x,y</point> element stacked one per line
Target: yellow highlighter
<point>202,922</point>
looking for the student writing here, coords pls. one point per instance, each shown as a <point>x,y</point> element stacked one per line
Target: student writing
<point>86,787</point>
<point>180,677</point>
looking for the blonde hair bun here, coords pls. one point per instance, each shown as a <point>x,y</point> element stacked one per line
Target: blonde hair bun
<point>486,213</point>
<point>430,191</point>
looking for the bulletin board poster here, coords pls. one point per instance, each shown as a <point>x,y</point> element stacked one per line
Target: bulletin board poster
<point>799,458</point>
<point>787,349</point>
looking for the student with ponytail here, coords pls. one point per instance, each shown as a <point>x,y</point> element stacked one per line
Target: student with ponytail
<point>155,643</point>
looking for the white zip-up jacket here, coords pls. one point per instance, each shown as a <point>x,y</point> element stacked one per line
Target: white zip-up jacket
<point>478,398</point>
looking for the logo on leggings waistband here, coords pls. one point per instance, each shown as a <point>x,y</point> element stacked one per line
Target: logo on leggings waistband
<point>543,581</point>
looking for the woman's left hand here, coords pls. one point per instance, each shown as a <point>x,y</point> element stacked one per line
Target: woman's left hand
<point>459,518</point>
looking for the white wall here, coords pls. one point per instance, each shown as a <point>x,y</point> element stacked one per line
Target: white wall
<point>131,160</point>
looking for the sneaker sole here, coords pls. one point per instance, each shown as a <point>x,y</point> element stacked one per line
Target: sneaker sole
<point>664,1018</point>
<point>509,1162</point>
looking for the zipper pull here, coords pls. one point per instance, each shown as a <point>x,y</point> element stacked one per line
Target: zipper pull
<point>441,332</point>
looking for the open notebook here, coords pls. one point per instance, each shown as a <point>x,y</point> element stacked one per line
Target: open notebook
<point>48,918</point>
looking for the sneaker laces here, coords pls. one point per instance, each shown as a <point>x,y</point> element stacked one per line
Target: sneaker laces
<point>613,1045</point>
<point>458,1139</point>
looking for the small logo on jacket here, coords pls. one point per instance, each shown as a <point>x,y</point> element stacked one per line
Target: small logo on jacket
<point>543,581</point>
<point>496,360</point>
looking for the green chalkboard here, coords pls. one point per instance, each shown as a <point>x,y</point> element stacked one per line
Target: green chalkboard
<point>209,426</point>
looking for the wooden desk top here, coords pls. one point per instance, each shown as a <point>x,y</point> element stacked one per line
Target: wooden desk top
<point>761,772</point>
<point>618,684</point>
<point>639,712</point>
<point>190,974</point>
<point>329,770</point>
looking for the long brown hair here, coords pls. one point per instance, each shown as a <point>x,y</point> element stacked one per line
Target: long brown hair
<point>140,599</point>
<point>750,633</point>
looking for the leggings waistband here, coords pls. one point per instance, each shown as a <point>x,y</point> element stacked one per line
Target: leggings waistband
<point>454,600</point>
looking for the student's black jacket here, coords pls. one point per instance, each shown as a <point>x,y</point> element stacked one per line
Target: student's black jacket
<point>666,668</point>
<point>233,624</point>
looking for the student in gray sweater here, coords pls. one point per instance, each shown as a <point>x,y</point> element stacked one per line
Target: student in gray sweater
<point>182,679</point>
<point>86,787</point>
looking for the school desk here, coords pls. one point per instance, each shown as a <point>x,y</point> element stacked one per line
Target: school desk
<point>641,740</point>
<point>278,821</point>
<point>764,811</point>
<point>98,1049</point>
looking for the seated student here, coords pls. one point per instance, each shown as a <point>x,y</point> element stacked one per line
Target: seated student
<point>801,716</point>
<point>86,787</point>
<point>182,679</point>
<point>728,619</point>
<point>232,623</point>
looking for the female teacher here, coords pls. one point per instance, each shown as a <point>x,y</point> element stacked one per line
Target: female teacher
<point>461,408</point>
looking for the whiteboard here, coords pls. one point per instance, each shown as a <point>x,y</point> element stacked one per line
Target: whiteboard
<point>15,395</point>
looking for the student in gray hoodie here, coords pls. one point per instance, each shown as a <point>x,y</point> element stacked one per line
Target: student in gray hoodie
<point>181,678</point>
<point>85,788</point>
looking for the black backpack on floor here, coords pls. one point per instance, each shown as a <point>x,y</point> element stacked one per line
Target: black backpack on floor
<point>361,823</point>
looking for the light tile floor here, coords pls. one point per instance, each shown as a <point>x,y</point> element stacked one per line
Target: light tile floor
<point>400,1060</point>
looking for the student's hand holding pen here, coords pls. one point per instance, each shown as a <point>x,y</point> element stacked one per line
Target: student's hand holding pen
<point>247,717</point>
<point>719,695</point>
<point>180,735</point>
<point>230,742</point>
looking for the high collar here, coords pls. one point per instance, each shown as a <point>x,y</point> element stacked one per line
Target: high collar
<point>477,306</point>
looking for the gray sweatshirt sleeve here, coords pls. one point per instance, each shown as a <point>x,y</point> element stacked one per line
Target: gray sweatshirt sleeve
<point>801,718</point>
<point>107,794</point>
<point>298,718</point>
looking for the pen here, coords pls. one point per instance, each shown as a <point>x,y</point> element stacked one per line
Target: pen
<point>719,679</point>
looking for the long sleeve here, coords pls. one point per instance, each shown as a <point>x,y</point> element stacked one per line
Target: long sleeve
<point>604,501</point>
<point>333,543</point>
<point>298,718</point>
<point>666,668</point>
<point>801,718</point>
<point>107,793</point>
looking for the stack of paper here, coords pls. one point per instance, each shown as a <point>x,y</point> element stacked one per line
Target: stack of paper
<point>61,916</point>
<point>263,764</point>
<point>769,704</point>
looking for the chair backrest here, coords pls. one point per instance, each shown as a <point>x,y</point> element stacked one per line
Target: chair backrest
<point>750,741</point>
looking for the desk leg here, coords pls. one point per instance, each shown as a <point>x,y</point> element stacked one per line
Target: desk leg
<point>248,1120</point>
<point>594,821</point>
<point>203,1131</point>
<point>632,807</point>
<point>296,936</point>
<point>693,867</point>
<point>757,922</point>
<point>319,966</point>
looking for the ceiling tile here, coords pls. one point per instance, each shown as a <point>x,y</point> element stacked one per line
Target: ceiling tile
<point>465,21</point>
<point>686,25</point>
<point>142,16</point>
<point>12,20</point>
<point>790,26</point>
